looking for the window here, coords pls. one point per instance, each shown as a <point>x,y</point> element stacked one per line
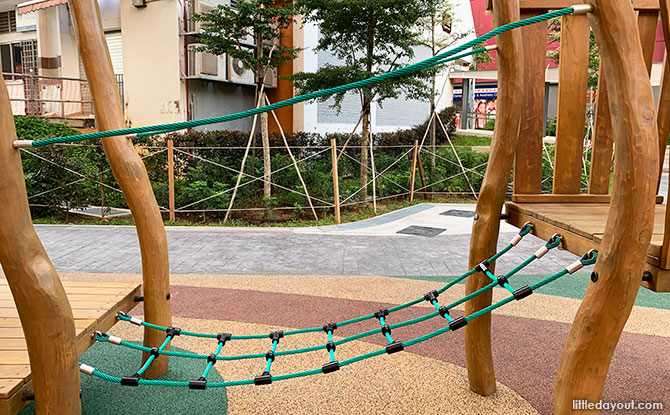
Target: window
<point>19,57</point>
<point>8,22</point>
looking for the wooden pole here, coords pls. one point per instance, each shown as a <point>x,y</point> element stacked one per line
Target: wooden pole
<point>486,227</point>
<point>412,173</point>
<point>170,160</point>
<point>130,173</point>
<point>422,177</point>
<point>336,184</point>
<point>44,310</point>
<point>608,302</point>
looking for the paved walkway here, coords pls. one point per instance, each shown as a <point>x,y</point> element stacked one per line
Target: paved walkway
<point>368,248</point>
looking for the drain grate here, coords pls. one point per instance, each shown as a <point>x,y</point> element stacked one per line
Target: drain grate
<point>459,213</point>
<point>422,231</point>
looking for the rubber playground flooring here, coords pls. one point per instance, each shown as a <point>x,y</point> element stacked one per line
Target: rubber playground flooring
<point>428,378</point>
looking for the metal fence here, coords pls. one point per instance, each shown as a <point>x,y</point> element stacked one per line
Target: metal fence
<point>48,96</point>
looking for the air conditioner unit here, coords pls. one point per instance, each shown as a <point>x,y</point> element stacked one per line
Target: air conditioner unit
<point>238,74</point>
<point>270,80</point>
<point>201,6</point>
<point>205,65</point>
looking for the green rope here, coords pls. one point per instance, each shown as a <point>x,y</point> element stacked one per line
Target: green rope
<point>407,70</point>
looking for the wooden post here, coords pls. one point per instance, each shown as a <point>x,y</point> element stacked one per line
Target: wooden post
<point>422,177</point>
<point>492,194</point>
<point>412,174</point>
<point>336,184</point>
<point>44,310</point>
<point>130,173</point>
<point>663,107</point>
<point>608,302</point>
<point>170,161</point>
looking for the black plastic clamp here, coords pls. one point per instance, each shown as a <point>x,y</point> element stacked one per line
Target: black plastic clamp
<point>211,358</point>
<point>444,311</point>
<point>431,296</point>
<point>276,335</point>
<point>502,280</point>
<point>458,323</point>
<point>264,379</point>
<point>270,355</point>
<point>330,367</point>
<point>155,352</point>
<point>329,327</point>
<point>394,347</point>
<point>386,329</point>
<point>223,337</point>
<point>200,384</point>
<point>522,293</point>
<point>133,380</point>
<point>482,266</point>
<point>330,346</point>
<point>173,331</point>
<point>381,313</point>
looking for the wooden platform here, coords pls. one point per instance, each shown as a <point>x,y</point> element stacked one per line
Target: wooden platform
<point>94,306</point>
<point>582,226</point>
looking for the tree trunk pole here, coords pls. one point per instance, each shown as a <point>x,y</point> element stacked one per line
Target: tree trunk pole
<point>607,304</point>
<point>170,160</point>
<point>412,173</point>
<point>44,310</point>
<point>485,229</point>
<point>336,184</point>
<point>130,173</point>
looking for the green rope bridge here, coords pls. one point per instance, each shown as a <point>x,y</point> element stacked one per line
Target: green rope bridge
<point>439,59</point>
<point>331,345</point>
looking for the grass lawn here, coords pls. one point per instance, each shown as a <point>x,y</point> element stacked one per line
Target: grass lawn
<point>470,141</point>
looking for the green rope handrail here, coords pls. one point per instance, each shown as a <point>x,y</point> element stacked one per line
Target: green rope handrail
<point>419,66</point>
<point>587,259</point>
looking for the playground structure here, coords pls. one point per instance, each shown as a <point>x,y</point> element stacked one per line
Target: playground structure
<point>625,116</point>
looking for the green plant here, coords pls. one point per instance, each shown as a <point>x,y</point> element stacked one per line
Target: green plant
<point>490,124</point>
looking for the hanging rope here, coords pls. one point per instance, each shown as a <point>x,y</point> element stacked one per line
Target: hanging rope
<point>440,59</point>
<point>331,345</point>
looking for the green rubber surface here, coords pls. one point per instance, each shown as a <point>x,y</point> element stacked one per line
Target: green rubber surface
<point>100,397</point>
<point>570,286</point>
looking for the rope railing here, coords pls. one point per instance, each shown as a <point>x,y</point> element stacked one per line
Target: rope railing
<point>331,345</point>
<point>442,58</point>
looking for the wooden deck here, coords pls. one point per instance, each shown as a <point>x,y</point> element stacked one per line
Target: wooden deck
<point>582,226</point>
<point>94,306</point>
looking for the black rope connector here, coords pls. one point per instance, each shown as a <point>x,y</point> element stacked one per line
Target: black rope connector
<point>155,352</point>
<point>386,329</point>
<point>394,347</point>
<point>522,293</point>
<point>211,358</point>
<point>502,280</point>
<point>431,296</point>
<point>223,337</point>
<point>276,335</point>
<point>330,346</point>
<point>444,311</point>
<point>173,331</point>
<point>382,313</point>
<point>270,355</point>
<point>200,384</point>
<point>264,379</point>
<point>133,380</point>
<point>482,266</point>
<point>458,323</point>
<point>329,327</point>
<point>330,367</point>
<point>138,298</point>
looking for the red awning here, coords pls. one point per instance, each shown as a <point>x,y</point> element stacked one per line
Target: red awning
<point>38,5</point>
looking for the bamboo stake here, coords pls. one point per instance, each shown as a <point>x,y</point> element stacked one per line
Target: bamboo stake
<point>336,184</point>
<point>422,177</point>
<point>412,173</point>
<point>295,163</point>
<point>170,159</point>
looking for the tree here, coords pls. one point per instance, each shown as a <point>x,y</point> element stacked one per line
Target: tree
<point>438,36</point>
<point>224,30</point>
<point>369,37</point>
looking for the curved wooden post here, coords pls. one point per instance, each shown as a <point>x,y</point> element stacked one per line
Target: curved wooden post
<point>130,173</point>
<point>608,302</point>
<point>46,316</point>
<point>492,194</point>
